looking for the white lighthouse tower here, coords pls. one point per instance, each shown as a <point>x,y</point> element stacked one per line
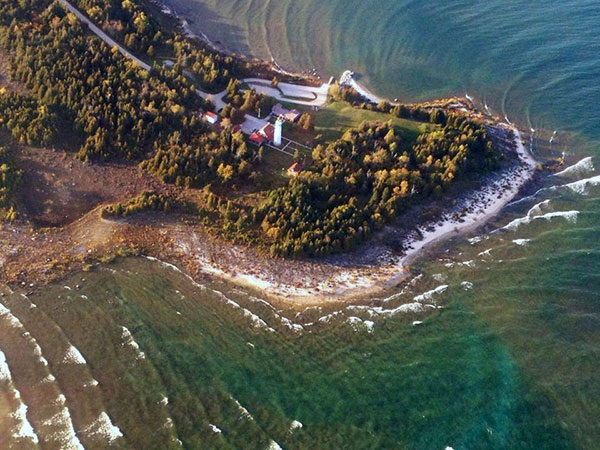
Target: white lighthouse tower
<point>278,130</point>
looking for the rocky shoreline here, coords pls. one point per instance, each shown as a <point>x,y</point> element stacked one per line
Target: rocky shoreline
<point>34,256</point>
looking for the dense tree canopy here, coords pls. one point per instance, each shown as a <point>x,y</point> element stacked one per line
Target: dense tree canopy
<point>119,109</point>
<point>210,157</point>
<point>146,201</point>
<point>125,20</point>
<point>364,180</point>
<point>28,121</point>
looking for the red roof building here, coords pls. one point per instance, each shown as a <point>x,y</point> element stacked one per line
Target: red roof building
<point>268,131</point>
<point>211,117</point>
<point>257,138</point>
<point>265,134</point>
<point>294,169</point>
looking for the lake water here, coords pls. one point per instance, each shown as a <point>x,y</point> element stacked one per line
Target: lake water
<point>509,361</point>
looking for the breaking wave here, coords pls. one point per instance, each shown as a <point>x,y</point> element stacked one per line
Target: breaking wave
<point>586,165</point>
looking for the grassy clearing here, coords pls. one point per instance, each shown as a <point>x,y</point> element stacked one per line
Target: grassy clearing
<point>334,119</point>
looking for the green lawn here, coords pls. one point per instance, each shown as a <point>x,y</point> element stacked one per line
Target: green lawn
<point>334,119</point>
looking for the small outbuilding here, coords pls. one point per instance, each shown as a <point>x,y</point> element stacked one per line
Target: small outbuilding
<point>211,117</point>
<point>289,115</point>
<point>294,169</point>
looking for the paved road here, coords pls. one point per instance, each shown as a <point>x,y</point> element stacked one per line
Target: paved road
<point>102,35</point>
<point>291,93</point>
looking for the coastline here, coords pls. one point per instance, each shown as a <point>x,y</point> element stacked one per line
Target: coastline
<point>294,282</point>
<point>388,275</point>
<point>181,241</point>
<point>347,283</point>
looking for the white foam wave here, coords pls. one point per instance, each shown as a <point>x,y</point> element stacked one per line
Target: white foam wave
<point>49,379</point>
<point>92,383</point>
<point>570,216</point>
<point>585,165</point>
<point>274,446</point>
<point>214,428</point>
<point>430,294</point>
<point>378,311</point>
<point>73,355</point>
<point>23,429</point>
<point>328,317</point>
<point>291,325</point>
<point>535,209</point>
<point>522,242</point>
<point>358,324</point>
<point>257,321</point>
<point>467,285</point>
<point>582,186</point>
<point>128,340</point>
<point>475,240</point>
<point>103,428</point>
<point>295,425</point>
<point>66,435</point>
<point>243,410</point>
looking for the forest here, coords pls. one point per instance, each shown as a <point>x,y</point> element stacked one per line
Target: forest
<point>29,122</point>
<point>365,180</point>
<point>210,157</point>
<point>146,201</point>
<point>119,110</point>
<point>127,21</point>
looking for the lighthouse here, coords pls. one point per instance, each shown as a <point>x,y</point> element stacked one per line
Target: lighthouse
<point>278,130</point>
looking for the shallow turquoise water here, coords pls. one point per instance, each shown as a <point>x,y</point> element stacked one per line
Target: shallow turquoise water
<point>453,381</point>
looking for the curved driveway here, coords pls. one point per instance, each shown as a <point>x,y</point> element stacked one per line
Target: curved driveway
<point>291,93</point>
